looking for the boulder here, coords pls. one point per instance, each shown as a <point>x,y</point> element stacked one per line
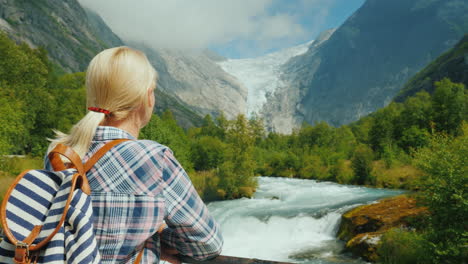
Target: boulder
<point>363,226</point>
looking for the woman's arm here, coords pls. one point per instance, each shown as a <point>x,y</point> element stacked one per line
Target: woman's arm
<point>191,230</point>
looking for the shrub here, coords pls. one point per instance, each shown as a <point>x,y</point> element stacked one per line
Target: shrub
<point>402,177</point>
<point>400,246</point>
<point>445,193</point>
<point>362,164</point>
<point>314,168</point>
<point>206,183</point>
<point>342,172</point>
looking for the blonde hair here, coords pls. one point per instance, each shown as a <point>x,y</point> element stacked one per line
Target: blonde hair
<point>117,80</point>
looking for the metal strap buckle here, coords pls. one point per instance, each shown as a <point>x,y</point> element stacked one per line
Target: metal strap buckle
<point>21,244</point>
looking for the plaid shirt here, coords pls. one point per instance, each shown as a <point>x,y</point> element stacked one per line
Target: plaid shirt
<point>136,187</point>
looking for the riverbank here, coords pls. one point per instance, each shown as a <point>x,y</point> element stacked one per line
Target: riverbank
<point>363,227</point>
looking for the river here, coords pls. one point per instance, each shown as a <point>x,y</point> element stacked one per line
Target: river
<point>291,220</point>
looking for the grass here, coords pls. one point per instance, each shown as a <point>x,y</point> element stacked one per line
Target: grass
<point>5,182</point>
<point>10,168</point>
<point>399,177</point>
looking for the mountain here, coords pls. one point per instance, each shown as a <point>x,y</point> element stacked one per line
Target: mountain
<point>453,64</point>
<point>62,27</point>
<point>194,78</point>
<point>367,60</point>
<point>280,112</point>
<point>72,36</point>
<point>184,115</point>
<point>261,75</point>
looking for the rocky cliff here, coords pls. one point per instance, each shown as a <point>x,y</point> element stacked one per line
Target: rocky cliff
<point>62,27</point>
<point>368,59</point>
<point>194,78</point>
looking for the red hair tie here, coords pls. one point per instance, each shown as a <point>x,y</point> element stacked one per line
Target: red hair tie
<point>99,110</point>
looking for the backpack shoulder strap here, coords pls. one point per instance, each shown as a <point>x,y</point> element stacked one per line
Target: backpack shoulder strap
<point>67,152</point>
<point>90,163</point>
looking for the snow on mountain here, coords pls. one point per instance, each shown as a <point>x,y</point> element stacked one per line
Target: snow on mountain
<point>261,75</point>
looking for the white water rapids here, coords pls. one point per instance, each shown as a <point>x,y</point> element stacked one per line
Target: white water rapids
<point>291,220</point>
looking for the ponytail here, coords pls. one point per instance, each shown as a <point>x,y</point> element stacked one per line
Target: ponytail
<point>81,134</point>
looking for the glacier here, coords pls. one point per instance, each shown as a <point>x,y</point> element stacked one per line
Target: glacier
<point>261,75</point>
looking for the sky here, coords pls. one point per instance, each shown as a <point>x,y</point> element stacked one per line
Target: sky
<point>232,28</point>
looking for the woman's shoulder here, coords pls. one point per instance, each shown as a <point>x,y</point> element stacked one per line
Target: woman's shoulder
<point>139,147</point>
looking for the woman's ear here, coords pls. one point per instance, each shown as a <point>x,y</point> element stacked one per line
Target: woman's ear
<point>151,98</point>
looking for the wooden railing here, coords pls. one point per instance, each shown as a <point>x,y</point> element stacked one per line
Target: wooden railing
<point>231,260</point>
<point>217,260</point>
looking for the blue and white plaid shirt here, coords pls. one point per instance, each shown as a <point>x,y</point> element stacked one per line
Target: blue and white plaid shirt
<point>136,188</point>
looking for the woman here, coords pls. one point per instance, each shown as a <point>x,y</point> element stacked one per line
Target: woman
<point>138,187</point>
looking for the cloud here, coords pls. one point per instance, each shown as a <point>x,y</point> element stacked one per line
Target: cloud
<point>188,24</point>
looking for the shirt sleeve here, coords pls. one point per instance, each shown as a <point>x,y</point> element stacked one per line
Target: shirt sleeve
<point>190,227</point>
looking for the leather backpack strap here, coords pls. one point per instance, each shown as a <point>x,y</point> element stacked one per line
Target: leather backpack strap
<point>140,256</point>
<point>90,163</point>
<point>67,152</point>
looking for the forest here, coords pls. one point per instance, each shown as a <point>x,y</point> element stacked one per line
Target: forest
<point>419,145</point>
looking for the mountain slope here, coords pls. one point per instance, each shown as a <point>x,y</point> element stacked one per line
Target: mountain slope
<point>72,36</point>
<point>452,64</point>
<point>368,59</point>
<point>280,112</point>
<point>194,78</point>
<point>61,27</point>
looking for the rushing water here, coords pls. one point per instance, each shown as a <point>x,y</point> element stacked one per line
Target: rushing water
<point>291,220</point>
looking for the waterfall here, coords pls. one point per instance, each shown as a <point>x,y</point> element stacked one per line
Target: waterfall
<point>291,220</point>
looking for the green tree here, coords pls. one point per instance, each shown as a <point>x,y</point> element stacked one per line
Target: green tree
<point>70,95</point>
<point>345,141</point>
<point>238,170</point>
<point>362,164</point>
<point>341,172</point>
<point>222,124</point>
<point>449,103</point>
<point>382,131</point>
<point>314,168</point>
<point>165,130</point>
<point>24,73</point>
<point>320,135</point>
<point>207,153</point>
<point>361,129</point>
<point>414,138</point>
<point>257,129</point>
<point>445,162</point>
<point>417,111</point>
<point>209,128</point>
<point>11,118</point>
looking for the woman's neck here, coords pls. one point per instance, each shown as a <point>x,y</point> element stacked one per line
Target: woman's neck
<point>130,125</point>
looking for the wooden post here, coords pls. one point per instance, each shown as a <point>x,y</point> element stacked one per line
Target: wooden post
<point>231,260</point>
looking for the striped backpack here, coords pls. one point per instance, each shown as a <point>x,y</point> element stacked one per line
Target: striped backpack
<point>47,216</point>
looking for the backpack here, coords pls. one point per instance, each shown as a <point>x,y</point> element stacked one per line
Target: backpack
<point>47,216</point>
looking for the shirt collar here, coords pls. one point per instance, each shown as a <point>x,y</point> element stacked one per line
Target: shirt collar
<point>104,133</point>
